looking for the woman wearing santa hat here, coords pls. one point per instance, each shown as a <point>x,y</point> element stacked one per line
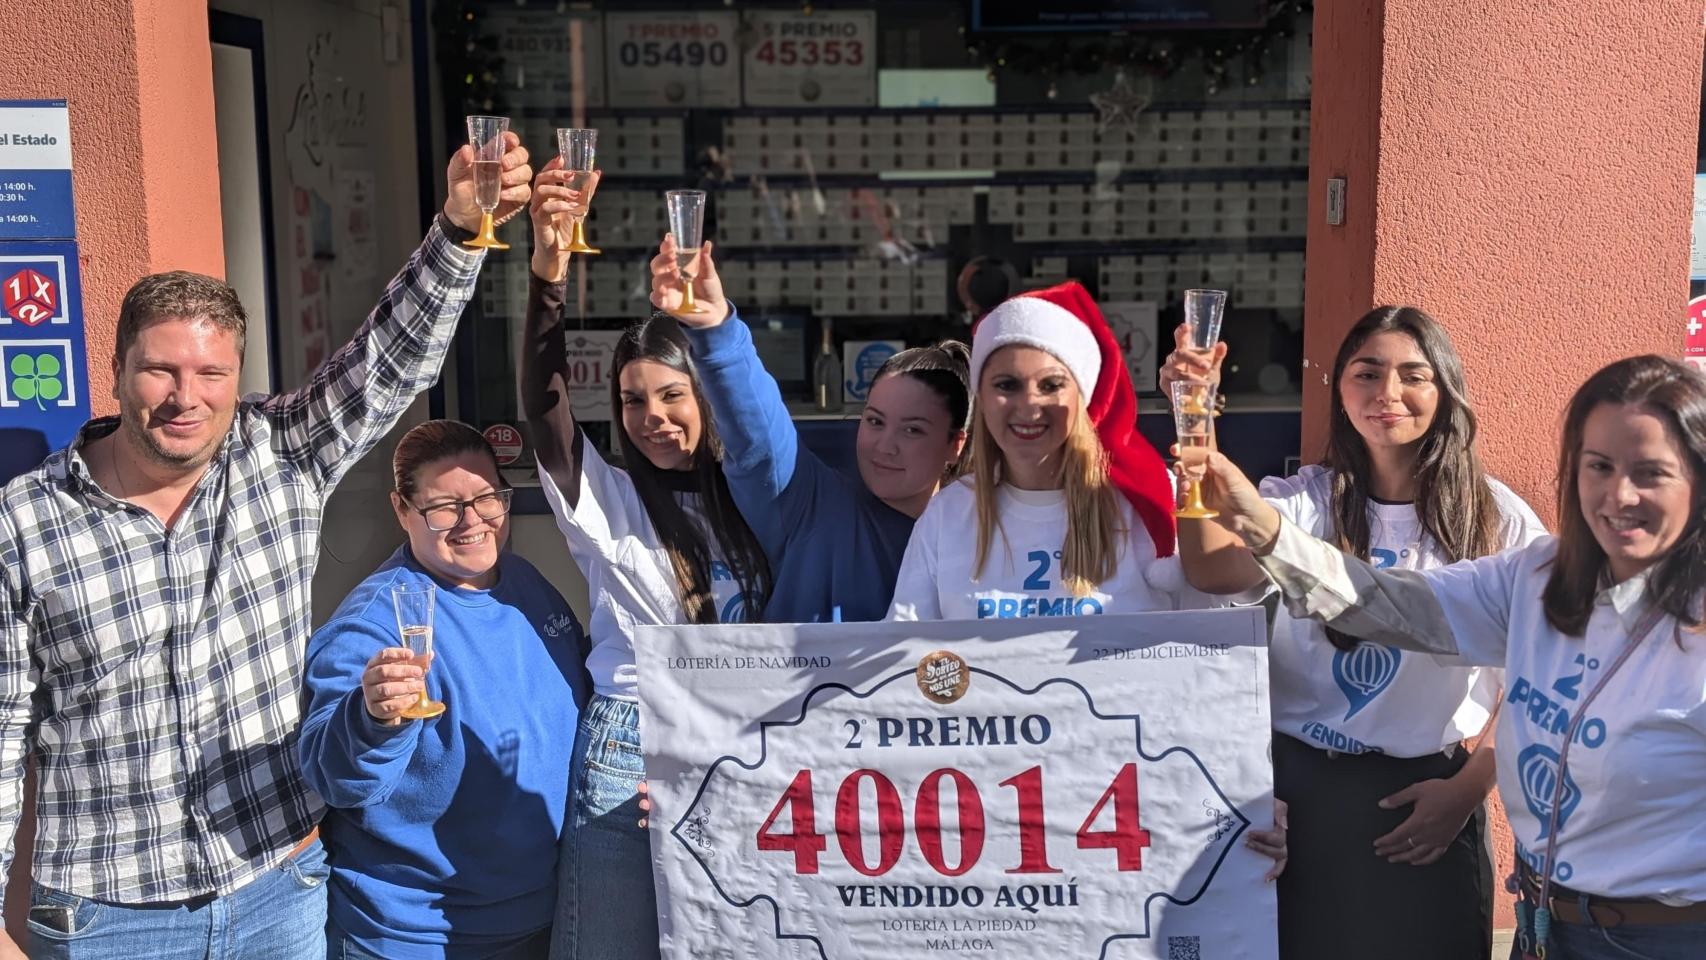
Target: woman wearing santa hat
<point>1072,508</point>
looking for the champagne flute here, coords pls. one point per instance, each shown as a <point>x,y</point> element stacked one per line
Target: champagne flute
<point>1193,421</point>
<point>486,136</point>
<point>412,603</point>
<point>1204,310</point>
<point>577,146</point>
<point>687,222</point>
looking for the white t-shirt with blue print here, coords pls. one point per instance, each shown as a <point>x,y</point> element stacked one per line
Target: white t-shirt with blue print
<point>629,577</point>
<point>1022,576</point>
<point>1376,698</point>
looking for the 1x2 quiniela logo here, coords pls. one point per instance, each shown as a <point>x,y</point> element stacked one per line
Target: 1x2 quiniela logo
<point>943,676</point>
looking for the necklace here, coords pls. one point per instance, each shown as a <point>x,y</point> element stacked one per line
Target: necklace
<point>121,489</point>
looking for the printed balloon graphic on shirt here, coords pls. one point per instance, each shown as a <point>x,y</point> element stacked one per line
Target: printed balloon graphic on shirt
<point>1537,767</point>
<point>1364,673</point>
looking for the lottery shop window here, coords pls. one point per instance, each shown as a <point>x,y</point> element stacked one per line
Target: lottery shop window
<point>893,167</point>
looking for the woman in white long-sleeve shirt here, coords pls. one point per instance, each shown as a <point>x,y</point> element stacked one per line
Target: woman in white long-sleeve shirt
<point>1602,739</point>
<point>1386,800</point>
<point>659,542</point>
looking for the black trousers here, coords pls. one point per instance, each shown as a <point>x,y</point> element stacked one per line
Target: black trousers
<point>1337,900</point>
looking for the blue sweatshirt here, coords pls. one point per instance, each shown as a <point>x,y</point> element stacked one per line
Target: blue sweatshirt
<point>834,548</point>
<point>442,833</point>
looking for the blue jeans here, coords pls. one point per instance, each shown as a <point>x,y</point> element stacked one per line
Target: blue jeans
<point>281,915</point>
<point>606,905</point>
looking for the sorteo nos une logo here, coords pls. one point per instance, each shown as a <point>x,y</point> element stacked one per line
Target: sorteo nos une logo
<point>1537,769</point>
<point>943,677</point>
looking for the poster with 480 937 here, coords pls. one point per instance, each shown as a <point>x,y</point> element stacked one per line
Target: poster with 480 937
<point>1009,789</point>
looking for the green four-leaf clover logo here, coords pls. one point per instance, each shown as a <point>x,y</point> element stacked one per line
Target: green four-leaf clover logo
<point>36,377</point>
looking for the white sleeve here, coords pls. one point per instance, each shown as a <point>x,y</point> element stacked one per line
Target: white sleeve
<point>607,509</point>
<point>1462,609</point>
<point>916,593</point>
<point>1301,498</point>
<point>1521,525</point>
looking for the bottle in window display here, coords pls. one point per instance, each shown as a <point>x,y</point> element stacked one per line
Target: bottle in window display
<point>826,377</point>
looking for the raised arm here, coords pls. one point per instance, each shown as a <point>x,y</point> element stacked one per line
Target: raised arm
<point>356,396</point>
<point>1458,610</point>
<point>546,416</point>
<point>760,444</point>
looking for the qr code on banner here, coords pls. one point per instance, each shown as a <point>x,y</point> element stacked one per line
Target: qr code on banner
<point>1184,948</point>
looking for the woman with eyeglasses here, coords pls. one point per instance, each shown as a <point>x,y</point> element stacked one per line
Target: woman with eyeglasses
<point>437,825</point>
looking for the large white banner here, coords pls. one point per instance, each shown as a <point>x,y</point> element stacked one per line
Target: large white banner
<point>1011,789</point>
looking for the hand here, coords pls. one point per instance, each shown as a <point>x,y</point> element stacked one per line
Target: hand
<point>392,683</point>
<point>459,204</point>
<point>552,208</point>
<point>707,286</point>
<point>1226,489</point>
<point>1271,843</point>
<point>9,949</point>
<point>645,804</point>
<point>1188,363</point>
<point>1441,808</point>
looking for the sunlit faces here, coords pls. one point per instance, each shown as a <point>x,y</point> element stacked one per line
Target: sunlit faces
<point>176,389</point>
<point>466,554</point>
<point>1388,390</point>
<point>1027,399</point>
<point>660,413</point>
<point>905,442</point>
<point>1635,485</point>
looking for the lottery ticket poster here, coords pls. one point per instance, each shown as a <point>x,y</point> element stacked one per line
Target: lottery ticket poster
<point>1014,788</point>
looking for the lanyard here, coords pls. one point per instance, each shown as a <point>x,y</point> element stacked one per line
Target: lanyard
<point>1543,915</point>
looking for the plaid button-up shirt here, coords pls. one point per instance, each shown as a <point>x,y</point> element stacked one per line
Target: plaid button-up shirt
<point>155,674</point>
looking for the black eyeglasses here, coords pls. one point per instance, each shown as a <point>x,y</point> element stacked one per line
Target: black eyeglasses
<point>446,516</point>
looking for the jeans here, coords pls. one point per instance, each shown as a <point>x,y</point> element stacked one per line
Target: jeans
<point>1581,941</point>
<point>281,915</point>
<point>606,905</point>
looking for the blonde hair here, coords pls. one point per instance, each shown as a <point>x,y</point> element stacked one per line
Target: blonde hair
<point>1094,526</point>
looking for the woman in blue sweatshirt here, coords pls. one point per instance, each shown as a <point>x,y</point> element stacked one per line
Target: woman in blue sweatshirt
<point>834,543</point>
<point>442,833</point>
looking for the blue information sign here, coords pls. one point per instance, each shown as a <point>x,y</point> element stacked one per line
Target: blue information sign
<point>35,171</point>
<point>44,378</point>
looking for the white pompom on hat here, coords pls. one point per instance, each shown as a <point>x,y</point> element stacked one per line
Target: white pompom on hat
<point>1048,323</point>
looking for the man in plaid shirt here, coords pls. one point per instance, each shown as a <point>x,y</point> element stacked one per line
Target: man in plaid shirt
<point>154,603</point>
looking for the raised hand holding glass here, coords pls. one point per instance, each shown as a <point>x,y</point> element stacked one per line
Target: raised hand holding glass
<point>486,136</point>
<point>578,148</point>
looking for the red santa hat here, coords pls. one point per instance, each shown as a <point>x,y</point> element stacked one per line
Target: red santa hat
<point>1064,321</point>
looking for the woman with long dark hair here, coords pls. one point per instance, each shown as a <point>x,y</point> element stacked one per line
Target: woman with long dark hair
<point>835,542</point>
<point>1386,801</point>
<point>1603,739</point>
<point>659,542</point>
